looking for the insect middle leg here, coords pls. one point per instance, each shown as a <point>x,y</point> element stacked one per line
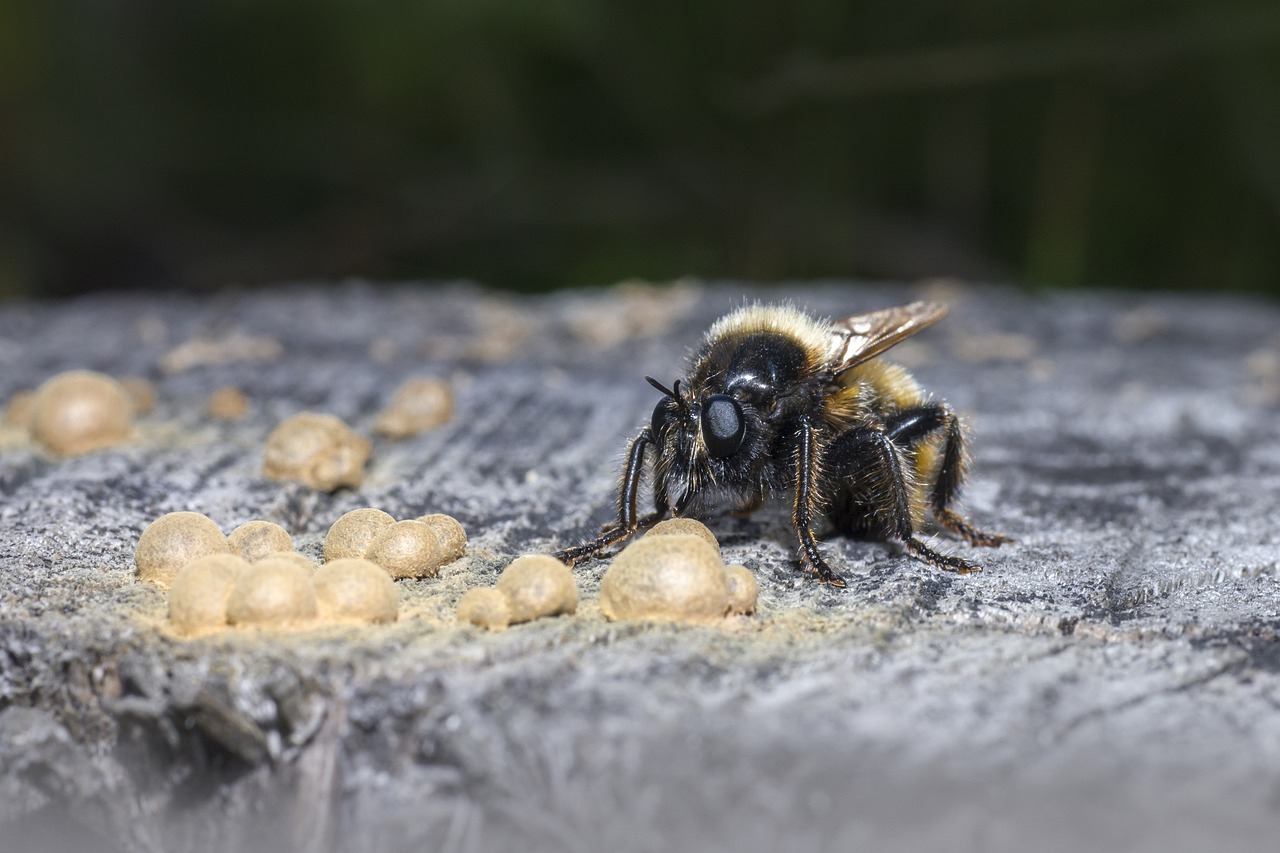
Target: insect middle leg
<point>808,503</point>
<point>910,427</point>
<point>627,522</point>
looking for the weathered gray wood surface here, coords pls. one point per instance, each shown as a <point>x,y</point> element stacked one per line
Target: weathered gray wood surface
<point>1112,680</point>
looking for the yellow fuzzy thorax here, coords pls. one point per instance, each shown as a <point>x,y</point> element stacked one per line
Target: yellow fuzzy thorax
<point>814,335</point>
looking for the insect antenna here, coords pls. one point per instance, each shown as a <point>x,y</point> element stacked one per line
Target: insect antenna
<point>673,393</point>
<point>656,384</point>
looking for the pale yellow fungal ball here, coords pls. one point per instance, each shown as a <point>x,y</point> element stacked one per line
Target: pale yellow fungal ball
<point>316,449</point>
<point>685,527</point>
<point>142,393</point>
<point>254,540</point>
<point>353,533</point>
<point>678,577</point>
<point>357,589</point>
<point>743,590</point>
<point>272,591</point>
<point>449,533</point>
<point>172,541</point>
<point>200,591</point>
<point>420,404</point>
<point>538,585</point>
<point>486,607</point>
<point>80,411</point>
<point>301,560</point>
<point>18,411</point>
<point>407,549</point>
<point>227,403</point>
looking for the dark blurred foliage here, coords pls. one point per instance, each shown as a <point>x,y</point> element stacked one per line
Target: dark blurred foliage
<point>564,142</point>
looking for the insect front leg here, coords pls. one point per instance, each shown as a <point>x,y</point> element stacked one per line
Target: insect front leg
<point>808,504</point>
<point>626,524</point>
<point>914,425</point>
<point>660,508</point>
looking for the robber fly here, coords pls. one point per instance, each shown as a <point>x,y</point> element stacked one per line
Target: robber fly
<point>779,403</point>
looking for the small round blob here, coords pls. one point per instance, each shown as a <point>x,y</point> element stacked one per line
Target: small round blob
<point>254,540</point>
<point>353,533</point>
<point>302,560</point>
<point>672,578</point>
<point>18,411</point>
<point>172,541</point>
<point>486,607</point>
<point>200,591</point>
<point>356,589</point>
<point>272,591</point>
<point>407,549</point>
<point>743,590</point>
<point>142,393</point>
<point>316,449</point>
<point>227,403</point>
<point>538,585</point>
<point>420,404</point>
<point>81,411</point>
<point>685,527</point>
<point>449,533</point>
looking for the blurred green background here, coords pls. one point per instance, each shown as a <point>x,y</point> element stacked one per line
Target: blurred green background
<point>565,142</point>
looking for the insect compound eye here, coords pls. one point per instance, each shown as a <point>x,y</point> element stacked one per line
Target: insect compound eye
<point>723,425</point>
<point>663,413</point>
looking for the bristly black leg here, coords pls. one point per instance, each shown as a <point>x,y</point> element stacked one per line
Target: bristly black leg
<point>806,505</point>
<point>911,426</point>
<point>887,467</point>
<point>946,562</point>
<point>908,427</point>
<point>879,465</point>
<point>626,524</point>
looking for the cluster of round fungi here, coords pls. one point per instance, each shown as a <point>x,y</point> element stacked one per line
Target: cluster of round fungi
<point>414,548</point>
<point>254,577</point>
<point>317,449</point>
<point>80,411</point>
<point>324,453</point>
<point>531,587</point>
<point>675,573</point>
<point>420,403</point>
<point>227,403</point>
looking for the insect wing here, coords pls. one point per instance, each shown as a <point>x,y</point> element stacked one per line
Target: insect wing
<point>865,336</point>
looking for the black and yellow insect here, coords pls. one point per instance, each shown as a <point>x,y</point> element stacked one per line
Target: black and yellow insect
<point>779,403</point>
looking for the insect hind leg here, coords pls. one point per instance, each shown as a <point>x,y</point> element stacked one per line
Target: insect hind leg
<point>882,469</point>
<point>912,426</point>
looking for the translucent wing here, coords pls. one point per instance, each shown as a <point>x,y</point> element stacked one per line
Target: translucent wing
<point>865,336</point>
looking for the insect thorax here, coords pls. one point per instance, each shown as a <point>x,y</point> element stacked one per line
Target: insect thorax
<point>756,365</point>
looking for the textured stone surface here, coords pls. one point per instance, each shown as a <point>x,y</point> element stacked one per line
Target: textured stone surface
<point>1112,680</point>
